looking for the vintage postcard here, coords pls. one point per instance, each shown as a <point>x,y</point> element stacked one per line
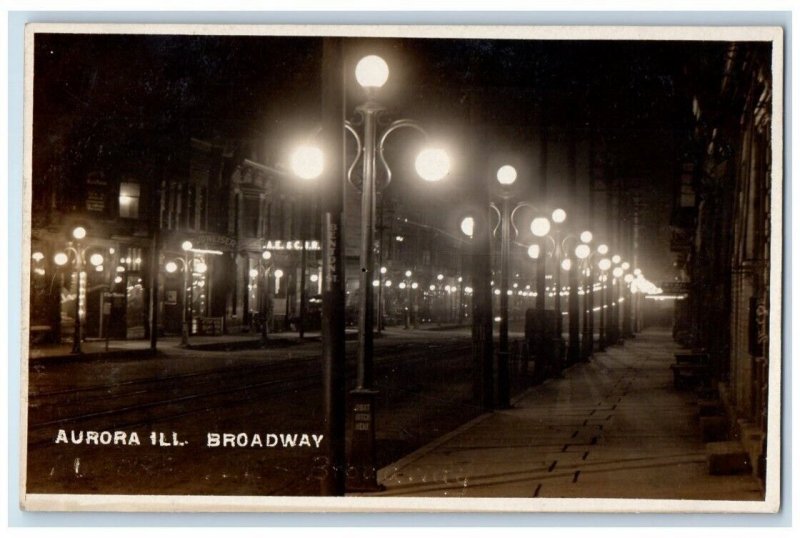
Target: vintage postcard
<point>351,268</point>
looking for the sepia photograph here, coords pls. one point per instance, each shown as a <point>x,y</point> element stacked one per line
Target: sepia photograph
<point>402,268</point>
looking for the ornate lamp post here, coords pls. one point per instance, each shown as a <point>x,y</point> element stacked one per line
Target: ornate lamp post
<point>265,265</point>
<point>604,265</point>
<point>171,267</point>
<point>584,253</point>
<point>372,72</point>
<point>78,252</point>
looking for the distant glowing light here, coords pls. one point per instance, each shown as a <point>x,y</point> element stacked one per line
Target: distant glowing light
<point>616,258</point>
<point>586,236</point>
<point>253,273</point>
<point>604,264</point>
<point>540,226</point>
<point>582,251</point>
<point>566,264</point>
<point>533,251</point>
<point>468,226</point>
<point>506,175</point>
<point>186,245</point>
<point>171,267</point>
<point>559,216</point>
<point>60,258</point>
<point>602,249</point>
<point>79,232</point>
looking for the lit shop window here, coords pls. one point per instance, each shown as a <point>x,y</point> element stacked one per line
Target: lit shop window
<point>129,200</point>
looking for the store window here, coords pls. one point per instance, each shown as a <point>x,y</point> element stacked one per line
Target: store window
<point>129,200</point>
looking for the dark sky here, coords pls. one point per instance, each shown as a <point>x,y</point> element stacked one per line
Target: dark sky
<point>100,101</point>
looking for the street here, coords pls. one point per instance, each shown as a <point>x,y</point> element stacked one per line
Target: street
<point>423,378</point>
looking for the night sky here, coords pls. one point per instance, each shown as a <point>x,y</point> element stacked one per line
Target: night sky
<point>102,101</point>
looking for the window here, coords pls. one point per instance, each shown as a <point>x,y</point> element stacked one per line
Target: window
<point>129,200</point>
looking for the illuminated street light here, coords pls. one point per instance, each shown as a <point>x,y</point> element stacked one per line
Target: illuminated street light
<point>616,258</point>
<point>266,255</point>
<point>506,175</point>
<point>408,273</point>
<point>602,249</point>
<point>79,232</point>
<point>372,72</point>
<point>586,236</point>
<point>540,226</point>
<point>432,164</point>
<point>96,259</point>
<point>559,216</point>
<point>468,226</point>
<point>307,162</point>
<point>617,272</point>
<point>60,258</point>
<point>625,266</point>
<point>566,264</point>
<point>604,264</point>
<point>582,251</point>
<point>186,245</point>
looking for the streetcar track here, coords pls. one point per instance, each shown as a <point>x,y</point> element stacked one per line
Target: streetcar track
<point>251,390</point>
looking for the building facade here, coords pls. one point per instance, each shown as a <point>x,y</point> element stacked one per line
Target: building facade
<point>721,235</point>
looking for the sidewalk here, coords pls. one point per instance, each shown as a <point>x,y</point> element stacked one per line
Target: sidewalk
<point>611,428</point>
<point>96,348</point>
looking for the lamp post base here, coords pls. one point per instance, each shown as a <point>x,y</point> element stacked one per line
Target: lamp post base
<point>362,472</point>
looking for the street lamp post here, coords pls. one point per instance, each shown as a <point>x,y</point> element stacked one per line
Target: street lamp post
<point>604,265</point>
<point>506,176</point>
<point>372,73</point>
<point>266,265</point>
<point>79,253</point>
<point>584,252</point>
<point>171,267</point>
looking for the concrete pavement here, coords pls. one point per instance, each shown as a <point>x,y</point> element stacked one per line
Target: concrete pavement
<point>611,428</point>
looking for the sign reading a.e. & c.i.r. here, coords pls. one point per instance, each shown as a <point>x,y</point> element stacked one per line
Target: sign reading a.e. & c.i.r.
<point>292,245</point>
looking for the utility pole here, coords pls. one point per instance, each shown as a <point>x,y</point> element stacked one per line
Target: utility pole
<point>333,279</point>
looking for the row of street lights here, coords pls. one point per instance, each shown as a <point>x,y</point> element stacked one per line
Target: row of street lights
<point>433,164</point>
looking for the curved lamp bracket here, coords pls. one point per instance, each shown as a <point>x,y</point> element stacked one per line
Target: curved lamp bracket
<point>499,217</point>
<point>394,126</point>
<point>350,129</point>
<point>519,206</point>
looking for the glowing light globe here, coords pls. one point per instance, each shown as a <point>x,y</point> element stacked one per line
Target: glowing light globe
<point>372,71</point>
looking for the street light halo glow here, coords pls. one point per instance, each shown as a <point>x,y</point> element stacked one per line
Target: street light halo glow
<point>253,273</point>
<point>533,251</point>
<point>602,249</point>
<point>540,226</point>
<point>604,264</point>
<point>468,226</point>
<point>616,258</point>
<point>582,251</point>
<point>432,164</point>
<point>186,245</point>
<point>372,71</point>
<point>171,267</point>
<point>586,236</point>
<point>278,273</point>
<point>266,255</point>
<point>625,266</point>
<point>60,258</point>
<point>566,264</point>
<point>96,259</point>
<point>506,175</point>
<point>617,272</point>
<point>307,162</point>
<point>79,232</point>
<point>559,216</point>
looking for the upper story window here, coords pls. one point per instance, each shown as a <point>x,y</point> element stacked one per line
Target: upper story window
<point>129,200</point>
